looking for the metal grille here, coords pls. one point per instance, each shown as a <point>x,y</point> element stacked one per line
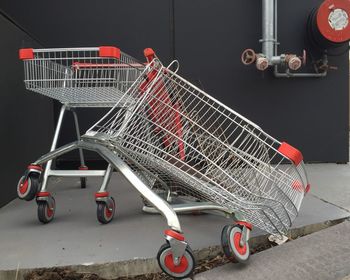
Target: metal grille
<point>202,149</point>
<point>80,77</point>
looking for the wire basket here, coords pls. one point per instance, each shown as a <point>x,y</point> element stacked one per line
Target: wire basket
<point>80,77</point>
<point>203,149</point>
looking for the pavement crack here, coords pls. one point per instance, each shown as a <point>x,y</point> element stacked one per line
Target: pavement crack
<point>331,203</point>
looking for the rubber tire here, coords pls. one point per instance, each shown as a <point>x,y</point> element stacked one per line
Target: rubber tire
<point>33,185</point>
<point>83,182</point>
<point>188,254</point>
<point>101,208</point>
<point>42,211</point>
<point>232,253</point>
<point>225,241</point>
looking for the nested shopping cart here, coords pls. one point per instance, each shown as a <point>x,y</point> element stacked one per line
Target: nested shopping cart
<point>171,137</point>
<point>77,78</point>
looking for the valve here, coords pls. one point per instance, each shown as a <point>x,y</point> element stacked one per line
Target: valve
<point>294,62</point>
<point>303,58</point>
<point>323,66</point>
<point>262,63</point>
<point>248,57</point>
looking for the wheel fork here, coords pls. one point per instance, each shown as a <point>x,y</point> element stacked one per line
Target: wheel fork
<point>32,169</point>
<point>46,196</point>
<point>177,243</point>
<point>104,197</point>
<point>246,228</point>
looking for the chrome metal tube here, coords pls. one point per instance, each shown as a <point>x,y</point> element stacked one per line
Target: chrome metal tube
<point>106,178</point>
<point>190,207</point>
<point>268,38</point>
<point>56,153</point>
<point>53,147</point>
<point>288,74</point>
<point>161,205</point>
<point>77,130</point>
<point>275,24</point>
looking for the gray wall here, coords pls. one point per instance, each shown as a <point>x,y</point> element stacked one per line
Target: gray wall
<point>208,38</point>
<point>26,119</point>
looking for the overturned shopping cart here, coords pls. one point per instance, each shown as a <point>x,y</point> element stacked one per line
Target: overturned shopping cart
<point>169,135</point>
<point>77,78</point>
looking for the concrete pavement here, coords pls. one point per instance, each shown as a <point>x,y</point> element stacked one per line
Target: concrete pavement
<point>75,237</point>
<point>130,243</point>
<point>324,255</point>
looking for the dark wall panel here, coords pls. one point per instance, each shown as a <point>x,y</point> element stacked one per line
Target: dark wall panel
<point>131,25</point>
<point>311,114</point>
<point>25,118</point>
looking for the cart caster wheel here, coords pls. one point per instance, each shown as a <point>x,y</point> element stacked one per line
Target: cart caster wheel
<point>183,270</point>
<point>83,182</point>
<point>27,188</point>
<point>230,242</point>
<point>45,212</point>
<point>105,210</point>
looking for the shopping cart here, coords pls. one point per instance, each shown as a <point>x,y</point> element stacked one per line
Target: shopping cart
<point>76,77</point>
<point>171,135</point>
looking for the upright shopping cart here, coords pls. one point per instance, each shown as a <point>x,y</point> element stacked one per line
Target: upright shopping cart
<point>77,78</point>
<point>171,135</point>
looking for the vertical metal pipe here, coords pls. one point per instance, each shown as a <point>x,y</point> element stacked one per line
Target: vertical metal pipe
<point>275,24</point>
<point>268,40</point>
<point>77,129</point>
<point>106,178</point>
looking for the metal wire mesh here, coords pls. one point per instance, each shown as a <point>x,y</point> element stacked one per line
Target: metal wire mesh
<point>202,149</point>
<point>80,77</point>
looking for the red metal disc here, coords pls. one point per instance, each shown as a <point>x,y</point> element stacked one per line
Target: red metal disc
<point>23,187</point>
<point>236,240</point>
<point>180,268</point>
<point>333,20</point>
<point>108,212</point>
<point>49,211</point>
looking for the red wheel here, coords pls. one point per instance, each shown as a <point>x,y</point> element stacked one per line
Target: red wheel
<point>230,241</point>
<point>27,188</point>
<point>105,210</point>
<point>45,212</point>
<point>183,270</point>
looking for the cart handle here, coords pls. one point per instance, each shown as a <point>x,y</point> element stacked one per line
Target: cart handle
<point>150,54</point>
<point>79,65</point>
<point>103,51</point>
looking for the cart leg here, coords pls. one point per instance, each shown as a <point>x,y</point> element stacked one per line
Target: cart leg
<point>106,178</point>
<point>175,257</point>
<point>53,147</point>
<point>81,154</point>
<point>163,207</point>
<point>57,152</point>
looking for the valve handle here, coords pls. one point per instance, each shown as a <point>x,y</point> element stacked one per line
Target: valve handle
<point>303,57</point>
<point>248,57</point>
